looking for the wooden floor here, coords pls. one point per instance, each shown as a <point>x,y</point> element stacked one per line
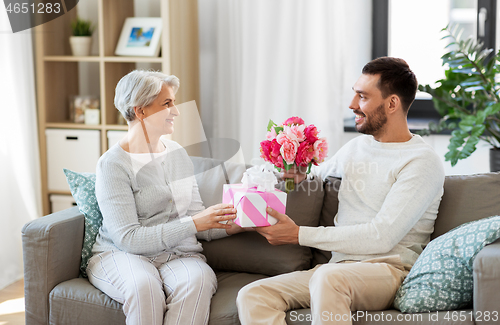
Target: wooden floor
<point>12,304</point>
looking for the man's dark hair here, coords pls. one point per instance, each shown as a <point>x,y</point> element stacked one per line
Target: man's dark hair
<point>396,77</point>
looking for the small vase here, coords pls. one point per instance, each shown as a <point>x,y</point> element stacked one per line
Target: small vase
<point>495,160</point>
<point>80,45</point>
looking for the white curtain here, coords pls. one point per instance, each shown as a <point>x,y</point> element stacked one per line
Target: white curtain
<point>262,60</point>
<point>20,199</point>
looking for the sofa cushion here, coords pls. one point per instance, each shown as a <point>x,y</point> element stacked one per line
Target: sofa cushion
<point>441,278</point>
<point>223,309</point>
<point>82,186</point>
<point>467,198</point>
<point>78,302</point>
<point>250,252</point>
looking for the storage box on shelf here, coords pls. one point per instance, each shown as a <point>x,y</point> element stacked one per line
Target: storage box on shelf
<point>114,137</point>
<point>78,150</point>
<point>61,202</point>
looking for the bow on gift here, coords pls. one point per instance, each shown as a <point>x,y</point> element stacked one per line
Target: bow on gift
<point>261,177</point>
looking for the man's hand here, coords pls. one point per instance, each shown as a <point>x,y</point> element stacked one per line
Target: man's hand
<point>298,173</point>
<point>283,232</point>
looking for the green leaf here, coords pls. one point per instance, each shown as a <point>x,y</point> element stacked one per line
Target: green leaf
<point>493,109</point>
<point>478,130</point>
<point>454,62</point>
<point>457,139</point>
<point>287,166</point>
<point>469,147</point>
<point>483,54</point>
<point>469,89</point>
<point>466,71</point>
<point>81,27</point>
<point>450,44</point>
<point>452,156</point>
<point>480,117</point>
<point>278,129</point>
<point>270,124</point>
<point>466,125</point>
<point>466,84</point>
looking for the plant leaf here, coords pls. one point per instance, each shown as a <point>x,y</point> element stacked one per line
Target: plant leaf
<point>286,166</point>
<point>270,124</point>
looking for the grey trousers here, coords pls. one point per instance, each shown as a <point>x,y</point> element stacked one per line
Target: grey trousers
<point>165,290</point>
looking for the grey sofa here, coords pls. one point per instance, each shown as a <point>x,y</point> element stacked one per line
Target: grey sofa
<point>55,294</point>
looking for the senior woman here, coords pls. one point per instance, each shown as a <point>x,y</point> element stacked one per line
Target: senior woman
<point>146,254</point>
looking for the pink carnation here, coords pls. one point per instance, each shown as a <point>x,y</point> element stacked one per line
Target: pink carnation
<point>288,150</point>
<point>294,120</point>
<point>276,154</point>
<point>311,133</point>
<point>265,150</point>
<point>305,154</point>
<point>270,151</point>
<point>320,150</point>
<point>285,136</point>
<point>279,162</point>
<point>297,131</point>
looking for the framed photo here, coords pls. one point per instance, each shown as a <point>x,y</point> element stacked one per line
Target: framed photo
<point>78,105</point>
<point>140,37</point>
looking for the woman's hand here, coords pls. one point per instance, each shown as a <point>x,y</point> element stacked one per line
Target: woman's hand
<point>209,218</point>
<point>298,173</point>
<point>237,229</point>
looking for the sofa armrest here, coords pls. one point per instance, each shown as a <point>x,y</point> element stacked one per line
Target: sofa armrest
<point>52,249</point>
<point>487,284</point>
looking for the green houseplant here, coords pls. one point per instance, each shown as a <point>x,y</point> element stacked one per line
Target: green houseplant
<point>81,39</point>
<point>468,98</point>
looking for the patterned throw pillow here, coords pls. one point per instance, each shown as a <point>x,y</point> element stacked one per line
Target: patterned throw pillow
<point>82,186</point>
<point>441,278</point>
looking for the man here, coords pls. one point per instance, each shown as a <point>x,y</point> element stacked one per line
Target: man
<point>392,183</point>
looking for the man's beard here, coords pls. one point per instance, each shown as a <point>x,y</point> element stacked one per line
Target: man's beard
<point>374,123</point>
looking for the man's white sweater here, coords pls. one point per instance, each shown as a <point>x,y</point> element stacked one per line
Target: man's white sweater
<point>388,200</point>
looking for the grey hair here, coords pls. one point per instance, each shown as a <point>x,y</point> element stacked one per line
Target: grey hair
<point>140,88</point>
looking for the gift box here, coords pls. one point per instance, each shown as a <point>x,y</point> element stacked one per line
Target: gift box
<point>251,204</point>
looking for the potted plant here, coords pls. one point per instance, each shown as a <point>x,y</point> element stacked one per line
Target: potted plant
<point>81,39</point>
<point>468,98</point>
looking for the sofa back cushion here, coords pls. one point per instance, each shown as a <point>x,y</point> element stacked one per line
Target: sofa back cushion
<point>467,198</point>
<point>210,174</point>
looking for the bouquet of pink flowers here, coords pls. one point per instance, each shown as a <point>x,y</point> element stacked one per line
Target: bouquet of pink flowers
<point>293,143</point>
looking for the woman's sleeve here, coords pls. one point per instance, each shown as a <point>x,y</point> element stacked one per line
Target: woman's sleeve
<point>197,206</point>
<point>120,220</point>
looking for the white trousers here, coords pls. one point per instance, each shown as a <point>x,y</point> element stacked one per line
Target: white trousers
<point>164,290</point>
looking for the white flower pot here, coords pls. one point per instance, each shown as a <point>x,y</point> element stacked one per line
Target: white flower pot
<point>80,45</point>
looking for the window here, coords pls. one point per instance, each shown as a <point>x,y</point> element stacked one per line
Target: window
<point>411,30</point>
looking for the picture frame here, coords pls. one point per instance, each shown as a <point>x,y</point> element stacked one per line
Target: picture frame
<point>140,36</point>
